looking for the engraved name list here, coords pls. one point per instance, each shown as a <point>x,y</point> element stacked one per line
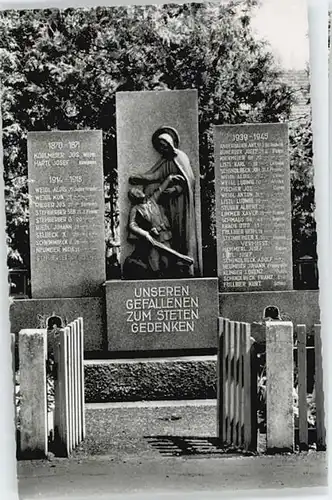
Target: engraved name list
<point>66,198</point>
<point>253,207</point>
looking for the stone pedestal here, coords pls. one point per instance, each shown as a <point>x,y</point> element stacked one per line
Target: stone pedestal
<point>279,386</point>
<point>298,306</point>
<point>66,188</point>
<point>162,315</point>
<point>32,313</point>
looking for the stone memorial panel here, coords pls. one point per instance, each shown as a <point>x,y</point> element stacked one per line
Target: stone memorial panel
<point>162,314</point>
<point>174,115</point>
<point>66,190</point>
<point>253,207</point>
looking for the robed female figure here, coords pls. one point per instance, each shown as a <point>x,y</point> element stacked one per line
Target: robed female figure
<point>179,199</point>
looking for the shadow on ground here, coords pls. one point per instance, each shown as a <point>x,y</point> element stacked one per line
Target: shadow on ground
<point>179,446</point>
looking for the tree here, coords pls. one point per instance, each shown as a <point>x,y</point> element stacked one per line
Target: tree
<point>303,192</point>
<point>61,69</point>
<point>302,182</point>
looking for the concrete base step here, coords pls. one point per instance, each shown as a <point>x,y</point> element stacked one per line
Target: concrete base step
<point>152,379</point>
<point>152,404</point>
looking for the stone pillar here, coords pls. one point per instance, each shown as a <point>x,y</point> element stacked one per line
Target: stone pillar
<point>33,403</point>
<point>279,386</point>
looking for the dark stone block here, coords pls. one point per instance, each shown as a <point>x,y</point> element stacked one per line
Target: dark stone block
<point>150,380</point>
<point>162,314</point>
<point>66,188</point>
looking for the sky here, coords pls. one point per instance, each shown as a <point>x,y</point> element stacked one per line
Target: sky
<point>284,24</point>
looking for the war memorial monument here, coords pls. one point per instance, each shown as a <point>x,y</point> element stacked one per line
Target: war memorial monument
<point>164,311</point>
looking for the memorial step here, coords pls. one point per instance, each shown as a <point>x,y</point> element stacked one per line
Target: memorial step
<point>150,379</point>
<point>172,403</point>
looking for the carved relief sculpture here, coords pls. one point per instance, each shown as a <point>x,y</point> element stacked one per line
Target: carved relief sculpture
<point>167,193</point>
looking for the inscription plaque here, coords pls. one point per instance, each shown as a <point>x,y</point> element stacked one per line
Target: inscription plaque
<point>253,207</point>
<point>66,193</point>
<point>162,314</point>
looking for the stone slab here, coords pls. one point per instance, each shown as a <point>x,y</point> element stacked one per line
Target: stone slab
<point>138,116</point>
<point>162,314</point>
<point>279,386</point>
<point>33,400</point>
<point>253,207</point>
<point>66,189</point>
<point>152,379</point>
<point>32,313</point>
<point>298,306</point>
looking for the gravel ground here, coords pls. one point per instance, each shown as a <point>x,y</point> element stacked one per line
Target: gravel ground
<point>154,450</point>
<point>104,477</point>
<point>176,429</point>
<point>131,430</point>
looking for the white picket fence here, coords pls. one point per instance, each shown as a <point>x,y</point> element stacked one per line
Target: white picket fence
<point>69,416</point>
<point>237,397</point>
<point>237,386</point>
<point>66,429</point>
<point>302,348</point>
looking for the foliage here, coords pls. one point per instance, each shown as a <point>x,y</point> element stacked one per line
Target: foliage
<point>262,398</point>
<point>61,70</point>
<point>303,192</point>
